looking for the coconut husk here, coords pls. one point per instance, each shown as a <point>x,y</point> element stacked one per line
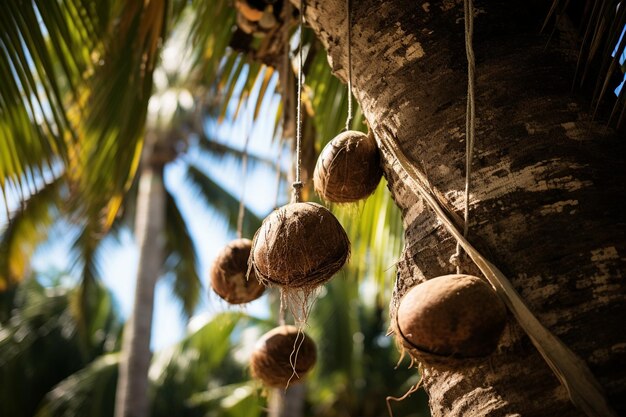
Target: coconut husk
<point>283,356</point>
<point>450,317</point>
<point>299,246</point>
<point>248,11</point>
<point>348,168</point>
<point>228,274</point>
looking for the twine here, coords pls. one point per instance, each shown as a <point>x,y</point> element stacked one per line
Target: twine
<point>244,173</point>
<point>297,184</point>
<point>349,23</point>
<point>470,124</point>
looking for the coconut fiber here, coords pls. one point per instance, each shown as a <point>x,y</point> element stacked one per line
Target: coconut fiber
<point>299,246</point>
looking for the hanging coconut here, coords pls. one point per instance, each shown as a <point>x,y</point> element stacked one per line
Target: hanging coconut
<point>228,274</point>
<point>249,10</point>
<point>299,246</point>
<point>268,21</point>
<point>247,26</point>
<point>283,356</point>
<point>348,168</point>
<point>453,315</point>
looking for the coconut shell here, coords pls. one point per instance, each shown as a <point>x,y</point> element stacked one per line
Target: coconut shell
<point>348,168</point>
<point>228,274</point>
<point>452,315</point>
<point>248,11</point>
<point>299,246</point>
<point>283,356</point>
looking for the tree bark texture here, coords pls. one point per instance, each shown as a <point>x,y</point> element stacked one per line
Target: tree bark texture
<point>545,204</point>
<point>132,389</point>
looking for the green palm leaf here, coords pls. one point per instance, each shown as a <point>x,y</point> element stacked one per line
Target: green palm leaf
<point>189,366</point>
<point>44,50</point>
<point>221,200</point>
<point>87,392</point>
<point>227,153</point>
<point>180,257</point>
<point>41,344</point>
<point>26,230</point>
<point>116,106</point>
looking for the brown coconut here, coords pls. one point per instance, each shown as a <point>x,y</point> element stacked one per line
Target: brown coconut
<point>248,11</point>
<point>228,274</point>
<point>348,168</point>
<point>452,315</point>
<point>299,246</point>
<point>283,356</point>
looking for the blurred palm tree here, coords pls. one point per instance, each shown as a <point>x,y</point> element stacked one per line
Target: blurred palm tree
<point>80,120</point>
<point>172,119</point>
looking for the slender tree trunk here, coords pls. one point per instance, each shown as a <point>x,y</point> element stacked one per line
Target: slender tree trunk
<point>132,390</point>
<point>547,184</point>
<point>287,403</point>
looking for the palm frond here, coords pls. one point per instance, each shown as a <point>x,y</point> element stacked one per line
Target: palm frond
<point>329,101</point>
<point>40,344</point>
<point>181,258</point>
<point>88,392</point>
<point>26,230</point>
<point>44,52</point>
<point>240,399</point>
<point>200,358</point>
<point>375,228</point>
<point>210,36</point>
<point>600,50</point>
<point>228,153</point>
<point>221,200</point>
<point>91,309</point>
<point>116,106</point>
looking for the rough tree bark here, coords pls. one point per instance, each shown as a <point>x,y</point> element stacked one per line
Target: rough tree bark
<point>132,399</point>
<point>547,184</point>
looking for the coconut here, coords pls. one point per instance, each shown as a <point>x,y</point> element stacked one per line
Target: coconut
<point>282,356</point>
<point>453,315</point>
<point>247,26</point>
<point>348,168</point>
<point>249,11</point>
<point>228,274</point>
<point>299,246</point>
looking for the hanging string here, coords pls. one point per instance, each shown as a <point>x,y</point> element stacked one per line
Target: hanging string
<point>470,122</point>
<point>297,184</point>
<point>277,168</point>
<point>349,20</point>
<point>282,312</point>
<point>244,173</point>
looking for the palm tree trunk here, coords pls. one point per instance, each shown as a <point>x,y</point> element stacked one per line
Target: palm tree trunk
<point>544,205</point>
<point>287,403</point>
<point>132,390</point>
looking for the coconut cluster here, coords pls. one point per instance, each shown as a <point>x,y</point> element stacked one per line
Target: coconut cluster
<point>283,356</point>
<point>256,16</point>
<point>348,168</point>
<point>228,274</point>
<point>299,246</point>
<point>457,316</point>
